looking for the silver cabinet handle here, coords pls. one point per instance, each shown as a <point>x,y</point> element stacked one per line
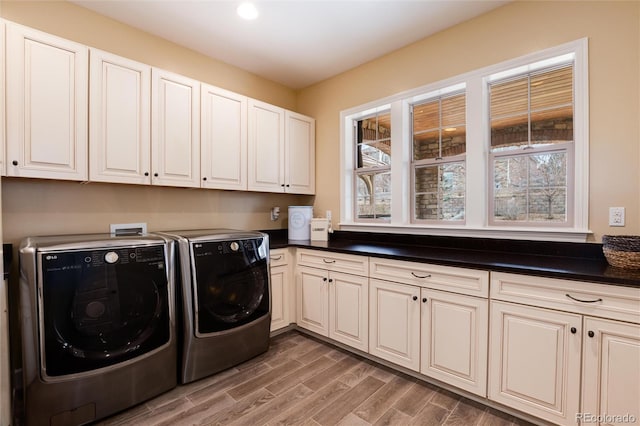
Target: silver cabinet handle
<point>328,261</point>
<point>277,258</point>
<point>582,301</point>
<point>421,276</point>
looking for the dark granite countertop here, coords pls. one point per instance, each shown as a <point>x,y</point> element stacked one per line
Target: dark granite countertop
<point>573,261</point>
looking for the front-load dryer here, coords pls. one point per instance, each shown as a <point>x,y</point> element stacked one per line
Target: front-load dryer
<point>96,326</point>
<point>225,299</point>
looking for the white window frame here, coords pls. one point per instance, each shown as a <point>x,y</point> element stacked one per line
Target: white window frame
<point>477,156</point>
<point>368,170</point>
<point>434,162</point>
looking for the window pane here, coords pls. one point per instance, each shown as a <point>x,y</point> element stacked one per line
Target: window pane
<point>454,141</point>
<point>453,110</point>
<point>439,127</point>
<point>426,116</point>
<point>374,195</point>
<point>440,192</point>
<point>535,109</point>
<point>426,145</point>
<point>510,132</point>
<point>552,126</point>
<point>531,188</point>
<point>509,97</point>
<point>374,154</point>
<point>374,141</point>
<point>552,88</point>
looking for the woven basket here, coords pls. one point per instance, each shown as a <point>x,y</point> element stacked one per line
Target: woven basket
<point>622,251</point>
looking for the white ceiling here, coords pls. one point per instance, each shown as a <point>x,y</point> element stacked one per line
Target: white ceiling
<point>293,42</point>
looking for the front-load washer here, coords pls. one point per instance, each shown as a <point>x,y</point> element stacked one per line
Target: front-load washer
<point>96,326</point>
<point>225,299</point>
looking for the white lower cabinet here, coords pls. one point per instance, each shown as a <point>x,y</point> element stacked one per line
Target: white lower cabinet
<point>535,361</point>
<point>415,323</point>
<point>574,358</point>
<point>442,335</point>
<point>610,372</point>
<point>394,328</point>
<point>334,304</point>
<point>453,339</point>
<point>280,288</point>
<point>333,296</point>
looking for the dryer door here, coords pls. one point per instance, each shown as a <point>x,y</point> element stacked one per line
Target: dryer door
<point>231,283</point>
<point>101,307</point>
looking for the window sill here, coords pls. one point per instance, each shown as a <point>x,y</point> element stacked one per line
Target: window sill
<point>534,234</point>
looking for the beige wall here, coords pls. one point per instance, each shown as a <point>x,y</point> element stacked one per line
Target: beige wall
<point>508,32</point>
<point>41,207</point>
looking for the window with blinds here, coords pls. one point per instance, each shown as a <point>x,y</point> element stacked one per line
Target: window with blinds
<point>438,162</point>
<point>373,167</point>
<point>531,146</point>
<point>501,151</point>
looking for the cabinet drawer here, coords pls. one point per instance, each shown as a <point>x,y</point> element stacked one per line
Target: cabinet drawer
<point>458,280</point>
<point>601,300</point>
<point>278,257</point>
<point>347,263</point>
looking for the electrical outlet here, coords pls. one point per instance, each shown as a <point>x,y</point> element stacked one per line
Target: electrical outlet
<point>616,216</point>
<point>329,215</point>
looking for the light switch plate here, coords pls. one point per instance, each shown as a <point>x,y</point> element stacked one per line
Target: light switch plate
<point>616,216</point>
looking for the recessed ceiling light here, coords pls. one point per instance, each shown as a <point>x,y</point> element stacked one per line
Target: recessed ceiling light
<point>248,11</point>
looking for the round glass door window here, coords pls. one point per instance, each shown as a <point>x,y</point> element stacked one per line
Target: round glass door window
<point>103,307</point>
<point>232,283</point>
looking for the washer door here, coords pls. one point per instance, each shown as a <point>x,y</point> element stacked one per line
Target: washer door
<point>102,307</point>
<point>231,284</point>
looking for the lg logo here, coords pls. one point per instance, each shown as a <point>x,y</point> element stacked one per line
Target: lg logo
<point>51,257</point>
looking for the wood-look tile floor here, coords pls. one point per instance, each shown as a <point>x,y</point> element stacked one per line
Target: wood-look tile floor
<point>304,381</point>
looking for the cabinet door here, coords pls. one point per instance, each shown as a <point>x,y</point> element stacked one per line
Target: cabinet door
<point>175,130</point>
<point>224,139</point>
<point>348,310</point>
<point>3,146</point>
<point>47,84</point>
<point>279,297</point>
<point>611,371</point>
<point>300,154</point>
<point>119,119</point>
<point>313,298</point>
<point>394,326</point>
<point>534,361</point>
<point>266,144</point>
<point>454,334</point>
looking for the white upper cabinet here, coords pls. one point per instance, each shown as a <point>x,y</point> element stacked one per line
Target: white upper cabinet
<point>281,150</point>
<point>224,139</point>
<point>266,147</point>
<point>46,99</point>
<point>175,130</point>
<point>119,119</point>
<point>300,148</point>
<point>3,168</point>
